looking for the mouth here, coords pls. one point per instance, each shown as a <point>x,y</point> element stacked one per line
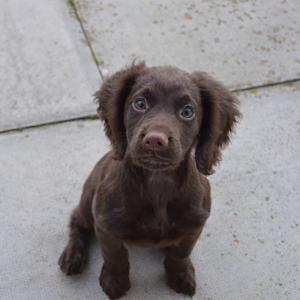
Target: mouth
<point>153,162</point>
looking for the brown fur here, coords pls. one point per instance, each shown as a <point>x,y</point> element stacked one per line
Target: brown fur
<point>167,128</point>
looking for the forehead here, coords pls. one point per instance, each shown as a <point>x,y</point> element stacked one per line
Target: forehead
<point>166,83</point>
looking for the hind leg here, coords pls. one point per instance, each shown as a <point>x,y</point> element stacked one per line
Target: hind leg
<point>75,255</point>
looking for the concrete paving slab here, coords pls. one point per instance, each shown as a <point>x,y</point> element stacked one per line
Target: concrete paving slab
<point>243,43</point>
<point>46,71</point>
<point>248,250</point>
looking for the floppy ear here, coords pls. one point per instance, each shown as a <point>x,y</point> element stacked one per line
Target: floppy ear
<point>220,114</point>
<point>111,99</point>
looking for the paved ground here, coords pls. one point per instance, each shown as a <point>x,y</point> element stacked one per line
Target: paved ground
<point>47,73</point>
<point>250,246</point>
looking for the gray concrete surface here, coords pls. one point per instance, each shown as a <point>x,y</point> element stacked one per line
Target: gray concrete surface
<point>243,43</point>
<point>250,246</point>
<point>46,71</point>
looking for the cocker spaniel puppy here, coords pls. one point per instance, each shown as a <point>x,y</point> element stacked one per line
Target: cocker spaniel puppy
<point>167,129</point>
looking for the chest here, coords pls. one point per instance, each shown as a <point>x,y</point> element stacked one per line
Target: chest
<point>158,215</point>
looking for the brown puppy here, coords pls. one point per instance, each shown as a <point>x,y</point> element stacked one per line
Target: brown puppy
<point>166,128</point>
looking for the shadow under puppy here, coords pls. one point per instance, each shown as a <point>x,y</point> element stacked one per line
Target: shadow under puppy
<point>167,128</point>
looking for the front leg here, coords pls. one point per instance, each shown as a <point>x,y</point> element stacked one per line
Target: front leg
<point>180,271</point>
<point>114,277</point>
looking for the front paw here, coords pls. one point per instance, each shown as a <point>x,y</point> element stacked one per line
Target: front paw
<point>73,260</point>
<point>183,282</point>
<point>114,286</point>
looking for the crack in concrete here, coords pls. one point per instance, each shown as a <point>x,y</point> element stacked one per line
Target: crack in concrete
<point>96,117</point>
<point>256,87</point>
<point>20,129</point>
<point>73,6</point>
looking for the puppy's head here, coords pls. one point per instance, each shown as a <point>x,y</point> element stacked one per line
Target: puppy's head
<point>158,115</point>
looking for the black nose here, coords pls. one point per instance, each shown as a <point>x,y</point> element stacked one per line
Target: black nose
<point>155,140</point>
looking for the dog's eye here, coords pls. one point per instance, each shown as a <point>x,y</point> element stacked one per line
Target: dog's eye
<point>140,104</point>
<point>187,112</point>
